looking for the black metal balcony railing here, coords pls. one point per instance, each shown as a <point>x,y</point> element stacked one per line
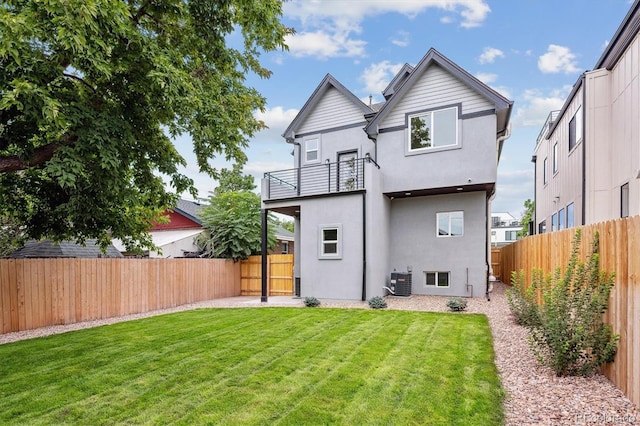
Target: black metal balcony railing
<point>325,178</point>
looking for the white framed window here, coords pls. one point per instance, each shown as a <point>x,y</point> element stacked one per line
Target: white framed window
<point>312,150</point>
<point>624,200</point>
<point>433,129</point>
<point>555,157</point>
<point>570,216</point>
<point>450,224</point>
<point>330,240</point>
<point>285,247</point>
<point>510,235</point>
<point>436,279</point>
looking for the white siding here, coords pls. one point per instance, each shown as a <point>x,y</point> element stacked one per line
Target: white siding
<point>436,87</point>
<point>332,110</point>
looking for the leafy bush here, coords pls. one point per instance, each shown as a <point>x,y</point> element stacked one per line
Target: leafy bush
<point>311,302</point>
<point>522,299</point>
<point>571,337</point>
<point>377,302</point>
<point>457,304</point>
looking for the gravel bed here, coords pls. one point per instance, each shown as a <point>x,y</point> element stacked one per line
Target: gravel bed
<point>534,395</point>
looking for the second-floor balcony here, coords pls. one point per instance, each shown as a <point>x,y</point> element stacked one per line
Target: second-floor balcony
<point>325,178</point>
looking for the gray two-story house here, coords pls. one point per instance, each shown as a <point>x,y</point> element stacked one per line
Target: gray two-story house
<point>400,186</point>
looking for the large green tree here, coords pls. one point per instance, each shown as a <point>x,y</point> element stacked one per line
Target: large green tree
<point>92,93</point>
<point>527,216</point>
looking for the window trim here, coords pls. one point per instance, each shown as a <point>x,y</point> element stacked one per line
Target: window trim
<point>316,150</point>
<point>436,279</point>
<point>449,227</point>
<point>555,158</point>
<point>321,241</point>
<point>545,177</point>
<point>408,116</point>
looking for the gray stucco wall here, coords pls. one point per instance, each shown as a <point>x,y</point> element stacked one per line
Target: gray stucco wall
<point>413,242</point>
<point>475,158</point>
<point>378,213</point>
<point>331,278</point>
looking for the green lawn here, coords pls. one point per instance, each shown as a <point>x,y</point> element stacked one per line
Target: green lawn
<point>286,366</point>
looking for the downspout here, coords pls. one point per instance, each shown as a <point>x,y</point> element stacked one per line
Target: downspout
<point>584,149</point>
<point>364,246</point>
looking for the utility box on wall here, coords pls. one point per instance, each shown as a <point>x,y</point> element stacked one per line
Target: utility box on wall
<point>401,283</point>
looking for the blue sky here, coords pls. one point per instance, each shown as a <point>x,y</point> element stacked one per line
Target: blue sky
<point>532,51</point>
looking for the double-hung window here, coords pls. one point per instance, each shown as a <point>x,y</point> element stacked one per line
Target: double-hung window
<point>450,224</point>
<point>330,240</point>
<point>433,129</point>
<point>311,150</point>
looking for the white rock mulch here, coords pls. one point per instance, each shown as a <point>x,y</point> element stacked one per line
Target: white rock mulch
<point>534,395</point>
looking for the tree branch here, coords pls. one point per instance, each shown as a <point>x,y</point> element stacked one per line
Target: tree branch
<point>40,155</point>
<point>75,77</point>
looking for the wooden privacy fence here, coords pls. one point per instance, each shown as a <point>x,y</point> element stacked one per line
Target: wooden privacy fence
<point>42,292</point>
<point>619,253</point>
<point>279,271</point>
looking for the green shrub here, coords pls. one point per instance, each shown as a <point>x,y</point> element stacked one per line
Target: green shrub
<point>457,304</point>
<point>571,337</point>
<point>522,299</point>
<point>377,302</point>
<point>311,302</point>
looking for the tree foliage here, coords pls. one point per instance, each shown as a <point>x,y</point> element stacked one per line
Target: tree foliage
<point>527,216</point>
<point>234,180</point>
<point>233,223</point>
<point>92,92</point>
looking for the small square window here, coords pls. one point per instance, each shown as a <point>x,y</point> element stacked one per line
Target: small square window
<point>436,279</point>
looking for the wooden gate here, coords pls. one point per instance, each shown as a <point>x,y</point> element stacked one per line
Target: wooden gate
<point>496,265</point>
<point>279,271</point>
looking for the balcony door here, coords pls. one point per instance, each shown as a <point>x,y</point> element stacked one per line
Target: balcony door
<point>347,171</point>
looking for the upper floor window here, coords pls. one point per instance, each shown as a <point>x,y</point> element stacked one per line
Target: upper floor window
<point>575,129</point>
<point>433,129</point>
<point>544,171</point>
<point>450,224</point>
<point>311,150</point>
<point>555,157</point>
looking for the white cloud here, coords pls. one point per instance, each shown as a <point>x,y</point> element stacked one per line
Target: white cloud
<point>486,77</point>
<point>489,55</point>
<point>537,107</point>
<point>401,39</point>
<point>277,119</point>
<point>324,45</point>
<point>447,20</point>
<point>377,76</point>
<point>328,28</point>
<point>558,59</point>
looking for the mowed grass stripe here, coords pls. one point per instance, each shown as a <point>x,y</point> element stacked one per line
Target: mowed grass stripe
<point>258,366</point>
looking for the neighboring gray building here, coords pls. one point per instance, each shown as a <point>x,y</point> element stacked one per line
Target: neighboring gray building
<point>402,186</point>
<point>48,248</point>
<point>587,155</point>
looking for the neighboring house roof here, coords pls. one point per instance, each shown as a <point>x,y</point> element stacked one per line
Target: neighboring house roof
<point>47,248</point>
<point>284,235</point>
<point>162,238</point>
<point>327,82</point>
<point>190,209</point>
<point>397,81</point>
<point>502,105</point>
<point>185,215</point>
